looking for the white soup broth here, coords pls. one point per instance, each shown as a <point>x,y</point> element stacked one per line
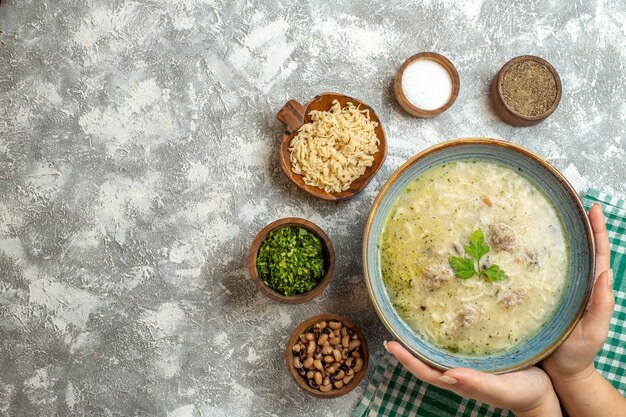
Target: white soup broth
<point>433,219</point>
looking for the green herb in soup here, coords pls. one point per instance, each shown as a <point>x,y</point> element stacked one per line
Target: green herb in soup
<point>466,267</point>
<point>445,247</point>
<point>291,261</point>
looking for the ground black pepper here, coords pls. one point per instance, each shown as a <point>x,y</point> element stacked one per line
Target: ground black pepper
<point>528,88</point>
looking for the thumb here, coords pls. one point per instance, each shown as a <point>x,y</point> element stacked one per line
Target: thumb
<point>597,318</point>
<point>519,390</point>
<point>481,386</point>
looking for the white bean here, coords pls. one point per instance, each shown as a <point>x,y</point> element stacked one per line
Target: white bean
<point>358,365</point>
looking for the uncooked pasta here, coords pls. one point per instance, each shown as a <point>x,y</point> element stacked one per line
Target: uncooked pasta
<point>335,148</point>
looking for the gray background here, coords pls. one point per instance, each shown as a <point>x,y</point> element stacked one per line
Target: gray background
<point>138,161</point>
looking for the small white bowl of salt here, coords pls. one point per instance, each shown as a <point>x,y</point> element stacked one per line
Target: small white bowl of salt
<point>427,84</point>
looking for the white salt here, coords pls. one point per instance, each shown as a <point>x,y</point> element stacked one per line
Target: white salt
<point>426,84</point>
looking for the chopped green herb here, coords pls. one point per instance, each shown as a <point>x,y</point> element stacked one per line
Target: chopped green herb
<point>467,267</point>
<point>453,348</point>
<point>291,261</point>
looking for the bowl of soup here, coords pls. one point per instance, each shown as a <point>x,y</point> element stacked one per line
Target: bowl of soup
<point>478,253</point>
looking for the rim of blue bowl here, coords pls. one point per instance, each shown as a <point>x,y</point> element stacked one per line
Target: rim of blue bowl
<point>560,178</point>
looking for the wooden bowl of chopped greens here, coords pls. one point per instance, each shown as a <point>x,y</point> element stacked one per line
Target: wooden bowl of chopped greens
<point>291,260</point>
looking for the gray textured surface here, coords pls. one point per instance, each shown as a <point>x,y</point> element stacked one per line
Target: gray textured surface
<point>137,162</point>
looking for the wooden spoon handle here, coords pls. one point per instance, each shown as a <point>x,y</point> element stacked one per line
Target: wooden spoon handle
<point>292,115</point>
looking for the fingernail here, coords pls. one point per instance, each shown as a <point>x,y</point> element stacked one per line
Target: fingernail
<point>610,279</point>
<point>447,379</point>
<point>386,347</point>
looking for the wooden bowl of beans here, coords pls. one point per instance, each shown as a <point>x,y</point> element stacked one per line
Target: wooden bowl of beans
<point>327,356</point>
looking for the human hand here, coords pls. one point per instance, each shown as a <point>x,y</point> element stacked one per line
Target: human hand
<point>526,393</point>
<point>574,358</point>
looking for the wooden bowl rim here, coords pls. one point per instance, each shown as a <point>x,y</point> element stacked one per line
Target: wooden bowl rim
<point>516,148</point>
<point>366,177</point>
<point>444,62</point>
<point>559,87</point>
<point>333,393</point>
<point>329,254</point>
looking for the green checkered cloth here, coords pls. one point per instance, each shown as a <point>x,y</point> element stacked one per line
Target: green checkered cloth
<point>395,392</point>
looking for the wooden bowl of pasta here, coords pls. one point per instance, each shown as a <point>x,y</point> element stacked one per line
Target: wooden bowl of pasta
<point>324,160</point>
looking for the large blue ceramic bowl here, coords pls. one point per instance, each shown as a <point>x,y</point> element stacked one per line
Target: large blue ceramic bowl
<point>579,237</point>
